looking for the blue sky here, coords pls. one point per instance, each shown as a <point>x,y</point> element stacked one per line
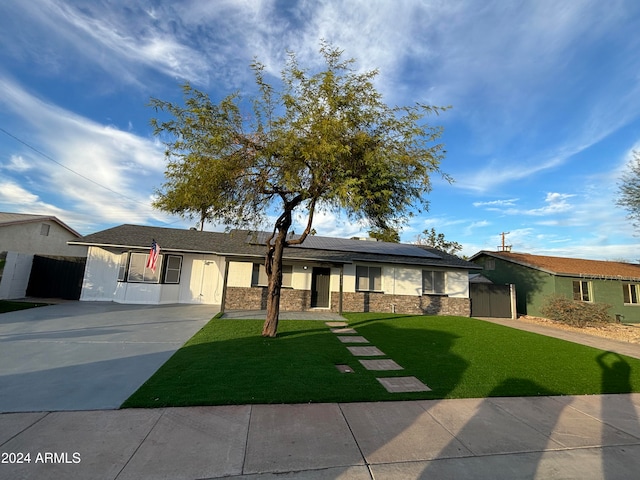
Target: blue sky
<point>545,96</point>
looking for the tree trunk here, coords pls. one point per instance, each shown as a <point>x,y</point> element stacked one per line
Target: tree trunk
<point>270,328</point>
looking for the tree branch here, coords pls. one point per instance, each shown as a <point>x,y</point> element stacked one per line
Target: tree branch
<point>307,230</point>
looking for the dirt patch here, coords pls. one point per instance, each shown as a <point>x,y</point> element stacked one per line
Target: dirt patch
<point>623,332</point>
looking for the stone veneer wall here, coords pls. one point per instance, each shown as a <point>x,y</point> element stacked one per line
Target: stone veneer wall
<point>424,305</point>
<point>255,298</point>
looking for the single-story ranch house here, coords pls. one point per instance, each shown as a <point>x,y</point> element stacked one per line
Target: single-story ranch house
<point>227,269</point>
<point>536,277</point>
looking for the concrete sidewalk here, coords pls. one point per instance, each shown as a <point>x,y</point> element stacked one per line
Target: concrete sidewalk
<point>581,437</point>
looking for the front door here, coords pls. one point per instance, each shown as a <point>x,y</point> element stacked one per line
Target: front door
<point>320,287</point>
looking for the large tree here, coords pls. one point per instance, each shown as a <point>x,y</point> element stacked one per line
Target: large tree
<point>629,193</point>
<point>320,140</point>
<point>202,138</point>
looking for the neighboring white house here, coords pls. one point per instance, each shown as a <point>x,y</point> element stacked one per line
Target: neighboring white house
<point>21,237</point>
<point>226,269</point>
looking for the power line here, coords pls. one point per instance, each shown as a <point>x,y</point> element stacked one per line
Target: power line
<point>48,157</point>
<point>69,169</point>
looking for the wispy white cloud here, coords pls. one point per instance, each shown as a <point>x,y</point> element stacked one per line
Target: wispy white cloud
<point>131,39</point>
<point>497,203</point>
<point>12,193</point>
<point>554,203</point>
<point>17,163</point>
<point>103,172</point>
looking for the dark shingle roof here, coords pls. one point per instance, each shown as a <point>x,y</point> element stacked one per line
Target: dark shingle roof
<point>314,242</point>
<point>240,243</point>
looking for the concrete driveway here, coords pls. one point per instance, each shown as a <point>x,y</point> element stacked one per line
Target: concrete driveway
<point>88,355</point>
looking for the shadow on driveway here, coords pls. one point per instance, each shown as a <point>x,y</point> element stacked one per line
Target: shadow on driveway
<point>88,355</point>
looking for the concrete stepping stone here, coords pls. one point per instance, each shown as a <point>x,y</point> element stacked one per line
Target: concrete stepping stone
<point>403,384</point>
<point>343,330</point>
<point>336,324</point>
<point>365,351</point>
<point>353,339</point>
<point>380,365</point>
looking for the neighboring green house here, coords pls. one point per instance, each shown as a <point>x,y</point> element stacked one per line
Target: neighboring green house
<point>536,277</point>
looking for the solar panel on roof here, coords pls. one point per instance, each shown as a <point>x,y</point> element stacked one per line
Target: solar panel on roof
<point>347,245</point>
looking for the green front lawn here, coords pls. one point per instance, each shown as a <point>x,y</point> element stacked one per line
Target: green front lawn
<point>228,362</point>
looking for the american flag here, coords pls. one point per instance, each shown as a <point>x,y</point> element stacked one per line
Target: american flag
<point>153,256</point>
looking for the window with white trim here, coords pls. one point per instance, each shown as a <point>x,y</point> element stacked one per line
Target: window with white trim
<point>433,281</point>
<point>368,278</point>
<point>631,293</point>
<point>259,276</point>
<point>173,266</point>
<point>138,271</point>
<point>582,290</point>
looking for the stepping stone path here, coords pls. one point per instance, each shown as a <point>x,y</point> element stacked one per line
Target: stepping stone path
<point>353,339</point>
<point>380,365</point>
<point>403,384</point>
<point>365,351</point>
<point>343,330</point>
<point>392,384</point>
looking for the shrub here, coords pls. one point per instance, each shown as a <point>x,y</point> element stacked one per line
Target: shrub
<point>577,314</point>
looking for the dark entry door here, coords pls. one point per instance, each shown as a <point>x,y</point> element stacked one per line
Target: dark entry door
<point>320,287</point>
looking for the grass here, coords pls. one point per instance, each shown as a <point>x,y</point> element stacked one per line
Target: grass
<point>228,362</point>
<point>11,306</point>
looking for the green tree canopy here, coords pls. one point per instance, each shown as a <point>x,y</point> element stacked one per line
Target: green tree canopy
<point>321,140</point>
<point>388,234</point>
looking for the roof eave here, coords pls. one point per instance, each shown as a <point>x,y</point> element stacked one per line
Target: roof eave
<point>43,218</point>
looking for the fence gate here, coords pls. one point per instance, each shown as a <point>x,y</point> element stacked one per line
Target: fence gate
<point>56,277</point>
<point>488,300</point>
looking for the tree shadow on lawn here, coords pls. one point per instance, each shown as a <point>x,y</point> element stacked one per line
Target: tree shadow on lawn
<point>221,366</point>
<point>228,362</point>
<point>299,367</point>
<point>463,358</point>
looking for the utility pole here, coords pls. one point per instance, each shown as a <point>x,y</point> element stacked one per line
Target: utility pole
<point>503,247</point>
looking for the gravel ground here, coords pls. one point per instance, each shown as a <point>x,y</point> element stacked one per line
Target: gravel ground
<point>625,332</point>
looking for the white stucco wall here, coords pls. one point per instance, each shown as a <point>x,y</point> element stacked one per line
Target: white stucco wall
<point>458,284</point>
<point>301,277</point>
<point>240,274</point>
<point>348,280</point>
<point>100,276</point>
<point>201,279</point>
<point>396,279</point>
<point>405,280</point>
<point>28,238</point>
